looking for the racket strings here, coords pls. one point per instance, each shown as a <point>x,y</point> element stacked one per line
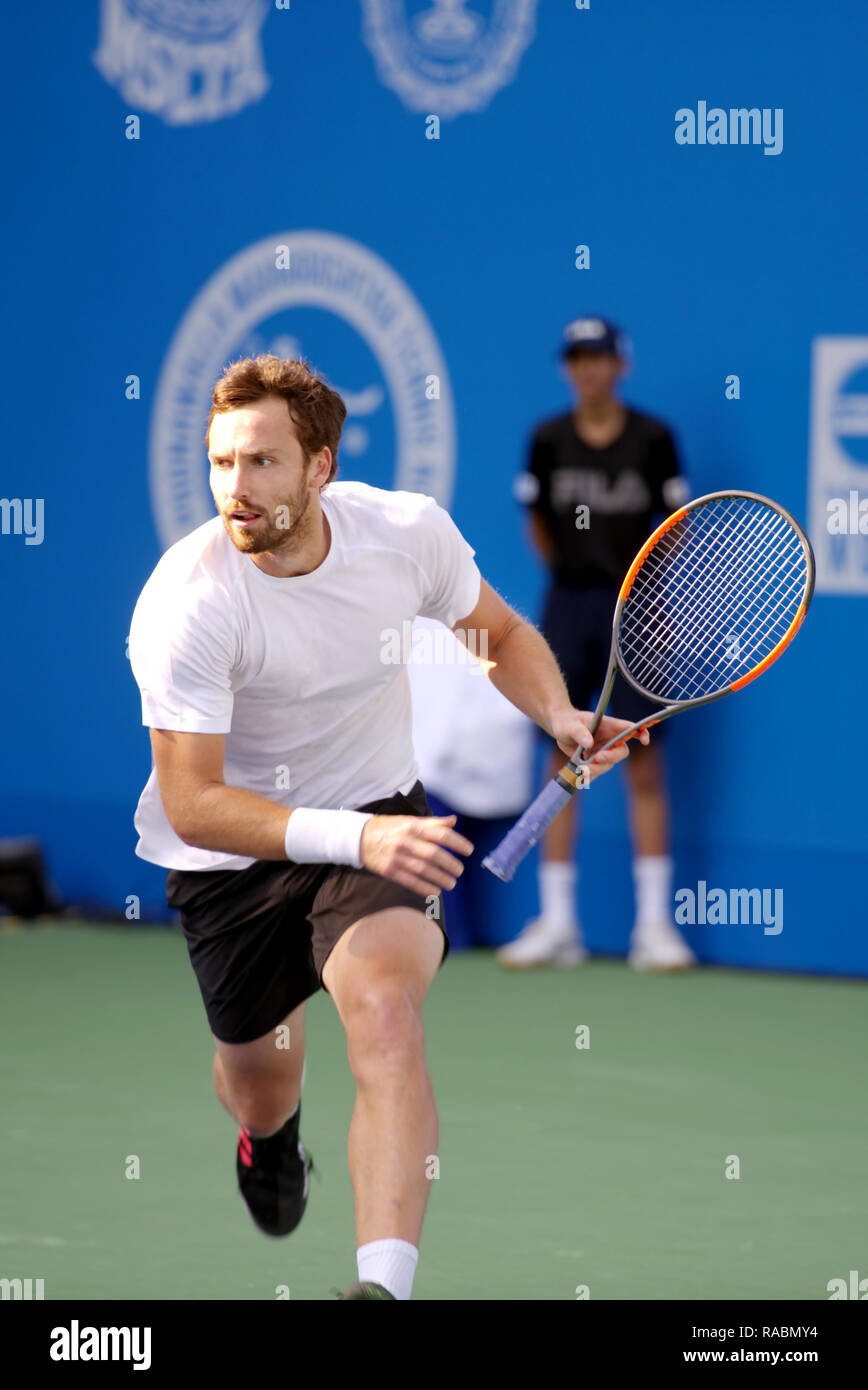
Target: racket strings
<point>750,580</point>
<point>694,665</point>
<point>765,583</point>
<point>712,599</point>
<point>718,548</point>
<point>677,585</point>
<point>729,595</point>
<point>752,576</point>
<point>707,668</point>
<point>738,587</point>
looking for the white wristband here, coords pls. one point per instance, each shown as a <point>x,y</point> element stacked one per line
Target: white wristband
<point>325,837</point>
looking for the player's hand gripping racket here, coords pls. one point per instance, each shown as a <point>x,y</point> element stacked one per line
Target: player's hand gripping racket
<point>711,600</point>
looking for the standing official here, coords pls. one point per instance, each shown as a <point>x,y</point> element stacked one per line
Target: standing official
<point>598,479</point>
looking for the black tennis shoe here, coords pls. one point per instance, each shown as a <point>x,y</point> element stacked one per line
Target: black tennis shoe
<point>274,1177</point>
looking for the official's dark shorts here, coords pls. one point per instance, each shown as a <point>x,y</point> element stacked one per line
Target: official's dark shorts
<point>258,938</point>
<point>577,624</point>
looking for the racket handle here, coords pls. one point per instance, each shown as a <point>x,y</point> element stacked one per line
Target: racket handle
<point>504,860</point>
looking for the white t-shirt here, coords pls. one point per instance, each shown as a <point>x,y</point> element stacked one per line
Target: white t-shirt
<point>306,676</point>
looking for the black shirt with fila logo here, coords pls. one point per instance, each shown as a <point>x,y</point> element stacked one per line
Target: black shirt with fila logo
<point>626,487</point>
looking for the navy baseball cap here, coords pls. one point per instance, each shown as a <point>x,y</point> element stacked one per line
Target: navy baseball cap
<point>593,335</point>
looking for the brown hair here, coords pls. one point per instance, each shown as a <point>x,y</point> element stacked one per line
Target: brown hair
<point>317,411</point>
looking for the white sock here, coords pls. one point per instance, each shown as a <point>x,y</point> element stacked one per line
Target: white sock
<point>652,875</point>
<point>557,893</point>
<point>391,1263</point>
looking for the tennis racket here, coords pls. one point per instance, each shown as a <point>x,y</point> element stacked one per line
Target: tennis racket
<point>714,596</point>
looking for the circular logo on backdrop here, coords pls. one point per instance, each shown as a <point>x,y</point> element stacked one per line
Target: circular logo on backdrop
<point>198,20</point>
<point>289,289</point>
<point>187,61</point>
<point>447,56</point>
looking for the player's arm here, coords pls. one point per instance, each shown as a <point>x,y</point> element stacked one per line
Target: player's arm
<point>205,812</point>
<point>202,810</point>
<point>525,671</point>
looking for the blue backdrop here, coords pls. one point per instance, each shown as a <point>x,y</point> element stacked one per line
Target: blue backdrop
<point>141,251</point>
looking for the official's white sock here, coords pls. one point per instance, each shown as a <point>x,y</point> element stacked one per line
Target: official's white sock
<point>391,1263</point>
<point>652,875</point>
<point>557,893</point>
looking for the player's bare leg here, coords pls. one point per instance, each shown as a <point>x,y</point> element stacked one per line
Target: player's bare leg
<point>259,1082</point>
<point>378,975</point>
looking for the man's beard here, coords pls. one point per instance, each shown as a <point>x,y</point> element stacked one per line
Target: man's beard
<point>264,535</point>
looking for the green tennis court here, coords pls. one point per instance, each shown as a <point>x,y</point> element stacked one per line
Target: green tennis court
<point>560,1167</point>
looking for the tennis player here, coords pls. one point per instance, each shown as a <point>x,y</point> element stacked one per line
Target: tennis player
<point>598,479</point>
<point>284,798</point>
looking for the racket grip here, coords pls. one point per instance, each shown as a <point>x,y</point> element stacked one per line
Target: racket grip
<point>504,860</point>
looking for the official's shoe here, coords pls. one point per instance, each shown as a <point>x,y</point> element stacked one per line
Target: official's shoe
<point>274,1177</point>
<point>542,943</point>
<point>367,1291</point>
<point>659,948</point>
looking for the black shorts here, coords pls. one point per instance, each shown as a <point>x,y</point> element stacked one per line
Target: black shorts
<point>258,938</point>
<point>577,624</point>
